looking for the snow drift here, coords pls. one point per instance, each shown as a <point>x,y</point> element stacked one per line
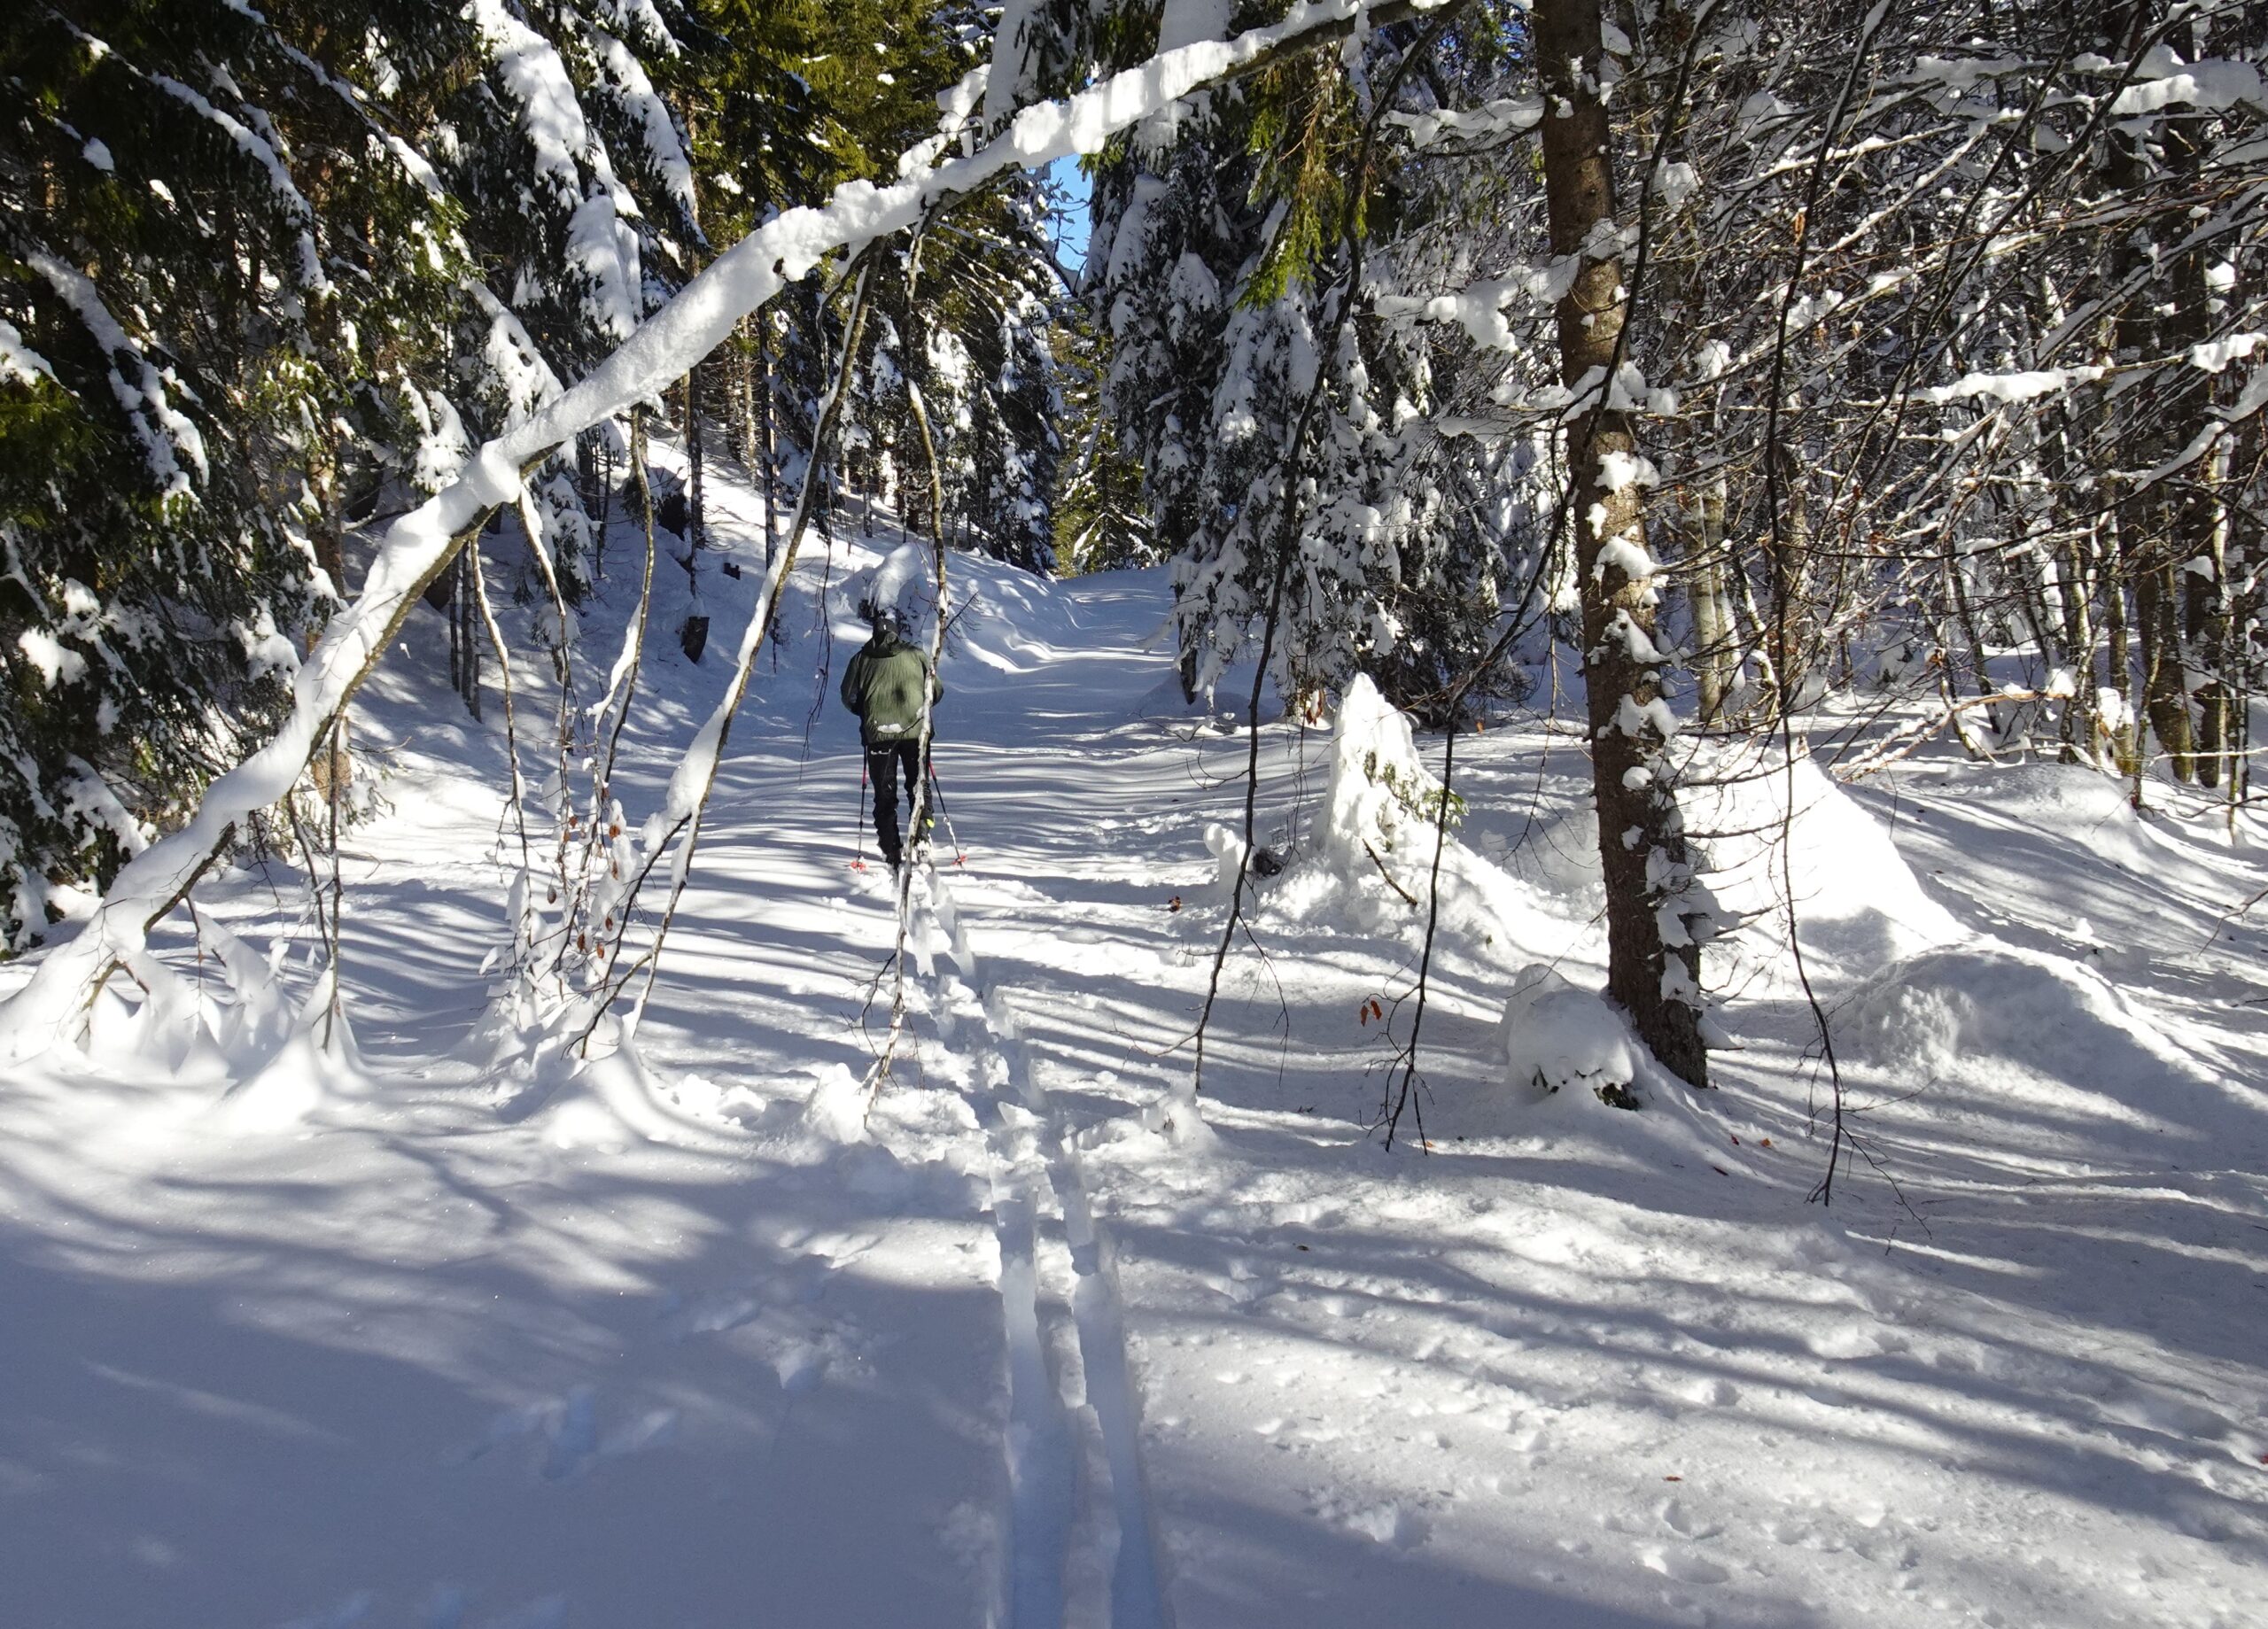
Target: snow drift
<point>1856,902</point>
<point>1995,1023</point>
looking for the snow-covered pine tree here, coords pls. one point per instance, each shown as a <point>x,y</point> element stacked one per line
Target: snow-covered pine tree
<point>799,100</point>
<point>964,317</point>
<point>578,202</point>
<point>1170,204</point>
<point>1218,264</point>
<point>219,281</point>
<point>1102,520</point>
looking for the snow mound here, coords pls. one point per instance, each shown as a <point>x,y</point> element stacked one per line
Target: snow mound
<point>1553,853</point>
<point>1369,868</point>
<point>2028,1028</point>
<point>1003,622</point>
<point>837,1109</point>
<point>2075,794</point>
<point>900,582</point>
<point>610,1103</point>
<point>2087,807</point>
<point>1373,851</point>
<point>1857,901</point>
<point>1554,1034</point>
<point>236,1046</point>
<point>292,1086</point>
<point>1382,802</point>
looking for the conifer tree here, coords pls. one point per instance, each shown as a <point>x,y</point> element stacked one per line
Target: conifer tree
<point>1172,219</point>
<point>1102,521</point>
<point>218,278</point>
<point>1218,265</point>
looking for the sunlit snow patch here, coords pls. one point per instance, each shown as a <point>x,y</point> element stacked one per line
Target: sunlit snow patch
<point>1856,901</point>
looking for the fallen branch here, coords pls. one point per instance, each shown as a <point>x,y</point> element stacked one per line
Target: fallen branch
<point>1911,739</point>
<point>1389,875</point>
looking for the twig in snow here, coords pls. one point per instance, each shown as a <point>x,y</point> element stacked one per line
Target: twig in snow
<point>1389,875</point>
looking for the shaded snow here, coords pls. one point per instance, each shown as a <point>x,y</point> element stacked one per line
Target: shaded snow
<point>400,1333</point>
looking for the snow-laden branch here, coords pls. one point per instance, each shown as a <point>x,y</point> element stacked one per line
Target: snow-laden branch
<point>163,430</point>
<point>260,152</point>
<point>421,544</point>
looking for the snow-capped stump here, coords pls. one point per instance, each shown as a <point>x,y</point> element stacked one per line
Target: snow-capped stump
<point>1227,849</point>
<point>1382,804</point>
<point>837,1109</point>
<point>1555,1034</point>
<point>1374,845</point>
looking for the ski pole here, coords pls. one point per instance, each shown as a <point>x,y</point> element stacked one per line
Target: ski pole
<point>937,796</point>
<point>859,858</point>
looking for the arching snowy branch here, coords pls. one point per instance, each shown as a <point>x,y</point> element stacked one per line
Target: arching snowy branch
<point>421,544</point>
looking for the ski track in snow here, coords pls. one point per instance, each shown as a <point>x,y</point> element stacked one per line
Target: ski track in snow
<point>1036,1159</point>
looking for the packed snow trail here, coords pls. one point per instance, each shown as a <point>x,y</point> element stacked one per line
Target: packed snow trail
<point>441,1337</point>
<point>1036,1146</point>
<point>1042,1461</point>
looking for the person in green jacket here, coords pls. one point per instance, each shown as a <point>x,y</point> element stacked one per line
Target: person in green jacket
<point>885,686</point>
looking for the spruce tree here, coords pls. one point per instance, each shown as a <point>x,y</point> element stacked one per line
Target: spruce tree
<point>219,277</point>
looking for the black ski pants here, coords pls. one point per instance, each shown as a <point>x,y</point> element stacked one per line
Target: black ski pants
<point>885,765</point>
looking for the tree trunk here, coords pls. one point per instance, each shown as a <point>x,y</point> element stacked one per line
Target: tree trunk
<point>1713,634</point>
<point>2165,697</point>
<point>2074,589</point>
<point>693,632</point>
<point>2159,534</point>
<point>769,481</point>
<point>1641,844</point>
<point>1792,636</point>
<point>744,440</point>
<point>1185,660</point>
<point>2243,576</point>
<point>2205,618</point>
<point>696,521</point>
<point>333,767</point>
<point>469,628</point>
<point>1964,614</point>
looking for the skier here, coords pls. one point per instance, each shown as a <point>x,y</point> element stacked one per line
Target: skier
<point>883,685</point>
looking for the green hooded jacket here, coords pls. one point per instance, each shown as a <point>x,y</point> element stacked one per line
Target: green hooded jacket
<point>883,686</point>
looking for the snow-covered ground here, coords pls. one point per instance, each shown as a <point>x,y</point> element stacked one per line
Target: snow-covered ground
<point>685,1340</point>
